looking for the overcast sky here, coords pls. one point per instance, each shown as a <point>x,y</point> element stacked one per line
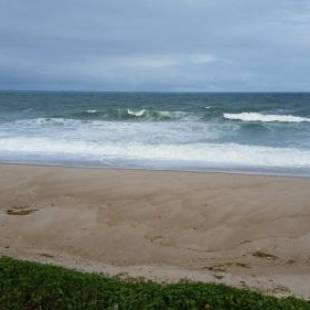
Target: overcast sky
<point>155,45</point>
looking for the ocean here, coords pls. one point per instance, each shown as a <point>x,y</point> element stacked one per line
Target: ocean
<point>234,132</point>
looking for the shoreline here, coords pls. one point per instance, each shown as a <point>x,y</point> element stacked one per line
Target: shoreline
<point>242,230</point>
<point>125,168</point>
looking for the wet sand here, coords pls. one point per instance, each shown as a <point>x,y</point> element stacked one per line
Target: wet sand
<point>237,229</point>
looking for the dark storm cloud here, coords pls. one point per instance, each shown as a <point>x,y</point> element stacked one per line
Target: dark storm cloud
<point>172,45</point>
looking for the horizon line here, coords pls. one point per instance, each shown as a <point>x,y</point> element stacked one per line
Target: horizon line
<point>159,91</point>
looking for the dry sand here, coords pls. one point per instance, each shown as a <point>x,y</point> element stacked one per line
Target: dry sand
<point>237,229</point>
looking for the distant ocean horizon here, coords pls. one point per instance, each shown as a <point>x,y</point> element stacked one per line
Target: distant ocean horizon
<point>234,132</point>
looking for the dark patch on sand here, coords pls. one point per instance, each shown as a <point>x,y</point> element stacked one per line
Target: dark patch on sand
<point>46,255</point>
<point>223,267</point>
<point>262,254</point>
<point>218,276</point>
<point>152,239</point>
<point>20,211</point>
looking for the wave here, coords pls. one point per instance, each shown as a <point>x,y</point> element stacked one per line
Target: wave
<point>208,155</point>
<point>152,115</point>
<point>138,113</point>
<point>258,117</point>
<point>46,122</point>
<point>133,114</point>
<point>49,122</point>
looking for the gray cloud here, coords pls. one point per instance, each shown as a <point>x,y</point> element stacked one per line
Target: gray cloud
<point>168,45</point>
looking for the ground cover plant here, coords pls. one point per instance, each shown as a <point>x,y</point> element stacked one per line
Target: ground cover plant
<point>29,285</point>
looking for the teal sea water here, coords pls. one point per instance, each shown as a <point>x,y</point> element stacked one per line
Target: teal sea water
<point>263,133</point>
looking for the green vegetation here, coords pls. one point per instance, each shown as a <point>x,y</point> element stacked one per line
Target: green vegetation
<point>27,285</point>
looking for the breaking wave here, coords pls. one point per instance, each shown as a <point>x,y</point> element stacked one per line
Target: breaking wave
<point>134,114</point>
<point>46,122</point>
<point>258,117</point>
<point>211,155</point>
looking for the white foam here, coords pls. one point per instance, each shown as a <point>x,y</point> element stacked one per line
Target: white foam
<point>223,155</point>
<point>258,117</point>
<point>151,115</point>
<point>43,121</point>
<point>91,111</point>
<point>136,113</point>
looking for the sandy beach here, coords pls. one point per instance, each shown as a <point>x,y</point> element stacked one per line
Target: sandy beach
<point>237,229</point>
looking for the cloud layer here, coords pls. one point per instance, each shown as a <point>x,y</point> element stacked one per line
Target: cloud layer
<point>162,45</point>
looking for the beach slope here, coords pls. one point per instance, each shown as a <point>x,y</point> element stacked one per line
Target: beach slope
<point>237,229</point>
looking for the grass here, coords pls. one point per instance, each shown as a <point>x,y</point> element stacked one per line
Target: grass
<point>28,285</point>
